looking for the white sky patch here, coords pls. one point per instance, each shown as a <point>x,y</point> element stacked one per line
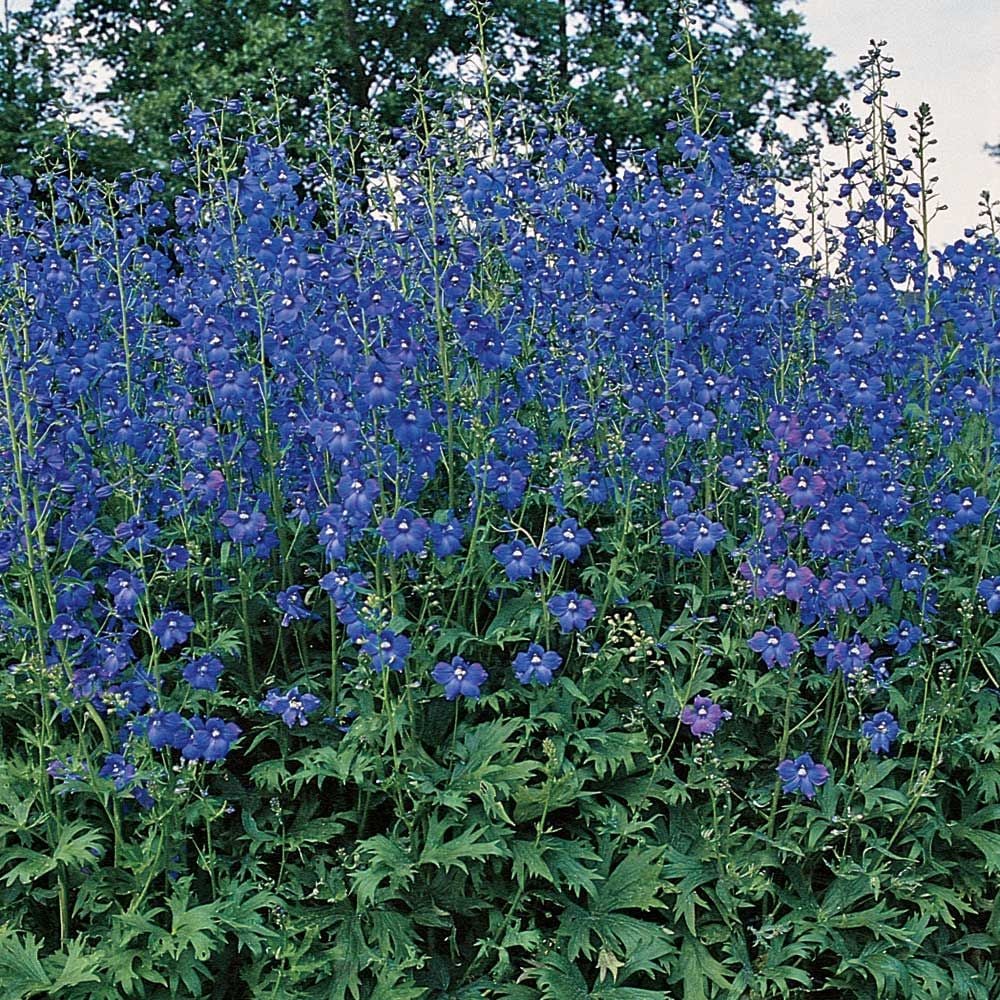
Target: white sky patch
<point>948,54</point>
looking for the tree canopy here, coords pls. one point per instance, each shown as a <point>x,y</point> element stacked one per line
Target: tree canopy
<point>29,83</point>
<point>623,61</point>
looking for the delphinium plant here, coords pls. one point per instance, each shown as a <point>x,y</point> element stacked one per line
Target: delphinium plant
<point>488,577</point>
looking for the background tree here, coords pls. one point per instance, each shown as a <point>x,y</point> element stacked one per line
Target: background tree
<point>161,54</point>
<point>626,60</point>
<point>622,60</point>
<point>30,87</point>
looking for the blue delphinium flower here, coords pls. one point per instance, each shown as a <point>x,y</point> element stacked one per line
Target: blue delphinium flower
<point>342,584</point>
<point>292,604</point>
<point>203,673</point>
<point>118,770</point>
<point>404,532</point>
<point>536,664</point>
<point>136,533</point>
<point>702,535</point>
<point>244,526</point>
<point>568,539</point>
<point>989,590</point>
<point>66,770</point>
<point>446,539</point>
<point>167,729</point>
<point>210,740</point>
<point>572,611</point>
<point>460,678</point>
<point>64,628</point>
<point>804,487</point>
<point>775,647</point>
<point>125,590</point>
<point>172,628</point>
<point>507,482</point>
<point>967,507</point>
<point>175,557</point>
<point>292,706</point>
<point>519,561</point>
<point>904,637</point>
<point>387,649</point>
<point>802,775</point>
<point>882,729</point>
<point>704,716</point>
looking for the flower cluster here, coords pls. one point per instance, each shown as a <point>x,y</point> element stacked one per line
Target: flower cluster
<point>324,431</point>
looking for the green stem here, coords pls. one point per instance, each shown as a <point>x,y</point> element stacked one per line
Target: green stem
<point>782,748</point>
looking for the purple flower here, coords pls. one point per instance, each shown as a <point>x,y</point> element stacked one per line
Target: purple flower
<point>881,729</point>
<point>291,602</point>
<point>167,729</point>
<point>210,740</point>
<point>704,716</point>
<point>536,664</point>
<point>789,579</point>
<point>341,584</point>
<point>118,770</point>
<point>519,560</point>
<point>507,483</point>
<point>404,532</point>
<point>380,382</point>
<point>172,628</point>
<point>904,637</point>
<point>940,529</point>
<point>125,590</point>
<point>446,539</point>
<point>803,487</point>
<point>244,526</point>
<point>775,647</point>
<point>64,627</point>
<point>989,590</point>
<point>460,678</point>
<point>702,535</point>
<point>135,532</point>
<point>567,540</point>
<point>175,557</point>
<point>387,649</point>
<point>802,775</point>
<point>63,770</point>
<point>293,707</point>
<point>203,673</point>
<point>572,611</point>
<point>141,795</point>
<point>967,507</point>
<point>358,495</point>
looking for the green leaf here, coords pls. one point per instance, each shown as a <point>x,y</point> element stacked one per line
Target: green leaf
<point>698,968</point>
<point>516,620</point>
<point>197,928</point>
<point>634,884</point>
<point>21,972</point>
<point>79,964</point>
<point>529,861</point>
<point>987,842</point>
<point>79,844</point>
<point>388,863</point>
<point>650,618</point>
<point>32,866</point>
<point>570,872</point>
<point>454,853</point>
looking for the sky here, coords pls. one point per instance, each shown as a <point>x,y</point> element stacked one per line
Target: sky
<point>948,54</point>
